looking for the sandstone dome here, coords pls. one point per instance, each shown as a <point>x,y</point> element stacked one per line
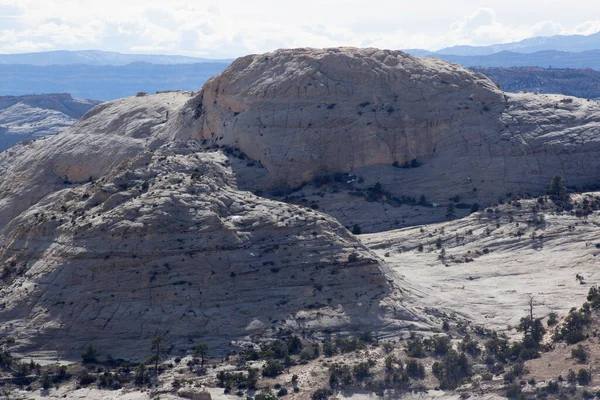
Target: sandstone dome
<point>118,231</point>
<point>308,112</point>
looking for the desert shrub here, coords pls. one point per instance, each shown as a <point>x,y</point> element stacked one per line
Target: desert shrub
<point>339,375</point>
<point>229,380</point>
<point>452,370</point>
<point>579,353</point>
<point>387,347</point>
<point>415,369</point>
<point>282,392</point>
<point>328,348</point>
<point>356,229</point>
<point>514,391</point>
<point>552,387</point>
<point>310,353</point>
<point>272,369</point>
<point>109,380</point>
<point>361,370</point>
<point>349,345</point>
<point>366,337</point>
<point>85,379</point>
<point>414,347</point>
<point>61,374</point>
<point>583,377</point>
<point>46,381</point>
<point>393,364</point>
<point>552,319</point>
<point>441,345</point>
<point>321,394</point>
<point>265,394</point>
<point>571,331</point>
<point>593,297</point>
<point>141,376</point>
<point>469,346</point>
<point>294,345</point>
<point>6,360</point>
<point>90,354</point>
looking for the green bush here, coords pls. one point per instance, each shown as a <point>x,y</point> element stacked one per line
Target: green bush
<point>265,394</point>
<point>85,379</point>
<point>90,355</point>
<point>272,369</point>
<point>361,370</point>
<point>414,347</point>
<point>141,376</point>
<point>415,369</point>
<point>579,353</point>
<point>452,370</point>
<point>339,375</point>
<point>321,394</point>
<point>583,377</point>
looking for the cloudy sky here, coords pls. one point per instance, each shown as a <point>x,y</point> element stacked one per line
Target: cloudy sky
<point>230,28</point>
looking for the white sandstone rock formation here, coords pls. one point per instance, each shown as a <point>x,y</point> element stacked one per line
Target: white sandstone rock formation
<point>308,112</point>
<point>120,229</point>
<point>36,116</point>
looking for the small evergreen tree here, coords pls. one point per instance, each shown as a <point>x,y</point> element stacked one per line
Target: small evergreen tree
<point>156,347</point>
<point>557,189</point>
<point>450,212</point>
<point>90,354</point>
<point>141,375</point>
<point>201,351</point>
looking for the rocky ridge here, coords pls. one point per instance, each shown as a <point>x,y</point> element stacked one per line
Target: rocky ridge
<point>136,221</point>
<point>36,116</point>
<point>139,232</point>
<point>306,113</point>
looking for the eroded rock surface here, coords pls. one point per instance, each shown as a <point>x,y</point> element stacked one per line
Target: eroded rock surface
<point>119,230</point>
<point>304,113</point>
<point>36,116</point>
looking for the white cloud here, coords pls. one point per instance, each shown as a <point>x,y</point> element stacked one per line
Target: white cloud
<point>230,28</point>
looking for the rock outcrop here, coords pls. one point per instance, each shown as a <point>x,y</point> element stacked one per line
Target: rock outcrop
<point>132,223</point>
<point>120,230</point>
<point>307,112</point>
<point>35,116</point>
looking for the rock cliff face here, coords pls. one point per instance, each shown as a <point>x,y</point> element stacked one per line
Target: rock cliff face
<point>307,112</point>
<point>119,230</point>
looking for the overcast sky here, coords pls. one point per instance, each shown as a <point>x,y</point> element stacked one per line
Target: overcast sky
<point>231,28</point>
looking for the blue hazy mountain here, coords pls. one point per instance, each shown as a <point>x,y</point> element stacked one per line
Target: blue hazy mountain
<point>97,57</point>
<point>569,43</point>
<point>545,59</point>
<point>105,82</point>
<point>566,43</point>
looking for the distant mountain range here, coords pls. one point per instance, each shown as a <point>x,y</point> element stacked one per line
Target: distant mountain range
<point>36,116</point>
<point>97,57</point>
<point>567,43</point>
<point>584,83</point>
<point>105,82</point>
<point>545,59</point>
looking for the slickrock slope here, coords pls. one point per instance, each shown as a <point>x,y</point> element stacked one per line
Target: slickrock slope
<point>307,112</point>
<point>118,230</point>
<point>490,263</point>
<point>35,116</point>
